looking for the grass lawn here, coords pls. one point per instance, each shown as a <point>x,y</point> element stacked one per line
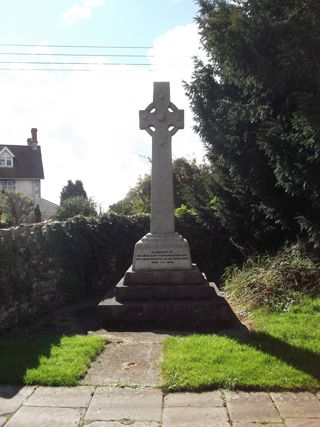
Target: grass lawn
<point>282,353</point>
<point>47,360</point>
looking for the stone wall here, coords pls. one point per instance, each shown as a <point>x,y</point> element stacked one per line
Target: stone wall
<point>29,279</point>
<point>45,266</point>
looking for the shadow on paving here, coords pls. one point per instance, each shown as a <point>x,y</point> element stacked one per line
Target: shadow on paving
<point>9,391</point>
<point>302,359</point>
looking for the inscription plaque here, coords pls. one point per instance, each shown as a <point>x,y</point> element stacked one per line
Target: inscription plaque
<point>162,256</point>
<point>149,255</point>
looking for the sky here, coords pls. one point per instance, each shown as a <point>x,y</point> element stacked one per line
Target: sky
<point>87,116</point>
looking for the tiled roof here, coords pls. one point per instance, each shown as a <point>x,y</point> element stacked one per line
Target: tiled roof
<point>27,163</point>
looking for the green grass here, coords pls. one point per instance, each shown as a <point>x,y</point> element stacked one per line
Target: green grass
<point>282,354</point>
<point>47,360</point>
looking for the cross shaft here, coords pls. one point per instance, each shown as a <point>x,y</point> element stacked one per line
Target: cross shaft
<point>161,119</point>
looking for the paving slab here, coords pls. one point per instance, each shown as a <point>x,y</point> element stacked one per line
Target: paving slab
<point>126,364</point>
<point>131,358</point>
<point>29,416</point>
<point>68,397</point>
<point>2,421</point>
<point>207,399</point>
<point>252,407</point>
<point>297,405</point>
<point>248,424</point>
<point>113,403</point>
<point>299,422</point>
<point>12,397</point>
<point>194,416</point>
<point>122,424</point>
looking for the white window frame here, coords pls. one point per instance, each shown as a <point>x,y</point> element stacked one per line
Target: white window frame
<point>7,185</point>
<point>6,162</point>
<point>6,158</point>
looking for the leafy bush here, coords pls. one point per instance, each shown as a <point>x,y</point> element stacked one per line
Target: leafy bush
<point>73,206</point>
<point>5,220</point>
<point>275,282</point>
<point>17,206</point>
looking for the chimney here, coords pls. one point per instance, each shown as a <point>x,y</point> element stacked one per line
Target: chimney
<point>34,139</point>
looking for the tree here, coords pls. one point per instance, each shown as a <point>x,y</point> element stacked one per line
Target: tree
<point>77,205</point>
<point>190,189</point>
<point>191,183</point>
<point>256,107</point>
<point>138,199</point>
<point>37,214</point>
<point>72,190</point>
<point>18,206</point>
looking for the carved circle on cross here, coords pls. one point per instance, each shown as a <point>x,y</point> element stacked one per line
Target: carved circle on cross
<point>161,117</point>
<point>172,129</point>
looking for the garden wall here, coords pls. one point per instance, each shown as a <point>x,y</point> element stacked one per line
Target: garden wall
<point>45,266</point>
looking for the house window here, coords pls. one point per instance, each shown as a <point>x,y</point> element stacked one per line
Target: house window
<point>7,185</point>
<point>6,162</point>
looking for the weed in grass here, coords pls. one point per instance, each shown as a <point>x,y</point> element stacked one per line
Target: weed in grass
<point>47,360</point>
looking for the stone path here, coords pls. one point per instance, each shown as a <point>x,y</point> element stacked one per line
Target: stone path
<point>105,406</point>
<point>130,359</point>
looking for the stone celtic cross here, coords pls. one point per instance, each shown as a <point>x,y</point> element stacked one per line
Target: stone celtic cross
<point>161,119</point>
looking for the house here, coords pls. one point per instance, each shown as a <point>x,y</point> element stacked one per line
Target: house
<point>21,170</point>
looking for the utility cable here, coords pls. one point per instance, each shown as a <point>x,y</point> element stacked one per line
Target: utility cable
<point>88,63</point>
<point>76,46</point>
<point>93,54</point>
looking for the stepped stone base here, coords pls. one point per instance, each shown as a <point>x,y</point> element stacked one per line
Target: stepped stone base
<point>201,314</point>
<point>173,299</point>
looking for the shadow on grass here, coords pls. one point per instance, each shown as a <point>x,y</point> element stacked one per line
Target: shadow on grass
<point>302,359</point>
<point>18,354</point>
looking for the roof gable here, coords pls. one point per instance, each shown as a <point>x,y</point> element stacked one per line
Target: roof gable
<point>27,163</point>
<point>5,150</point>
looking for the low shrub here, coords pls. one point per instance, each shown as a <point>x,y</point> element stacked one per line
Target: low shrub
<point>76,205</point>
<point>275,282</point>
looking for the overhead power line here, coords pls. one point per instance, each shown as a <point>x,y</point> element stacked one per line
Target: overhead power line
<point>93,55</point>
<point>45,69</point>
<point>88,63</point>
<point>64,69</point>
<point>13,60</point>
<point>76,46</point>
<point>70,63</point>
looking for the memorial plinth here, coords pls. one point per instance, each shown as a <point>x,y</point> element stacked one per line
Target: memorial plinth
<point>162,287</point>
